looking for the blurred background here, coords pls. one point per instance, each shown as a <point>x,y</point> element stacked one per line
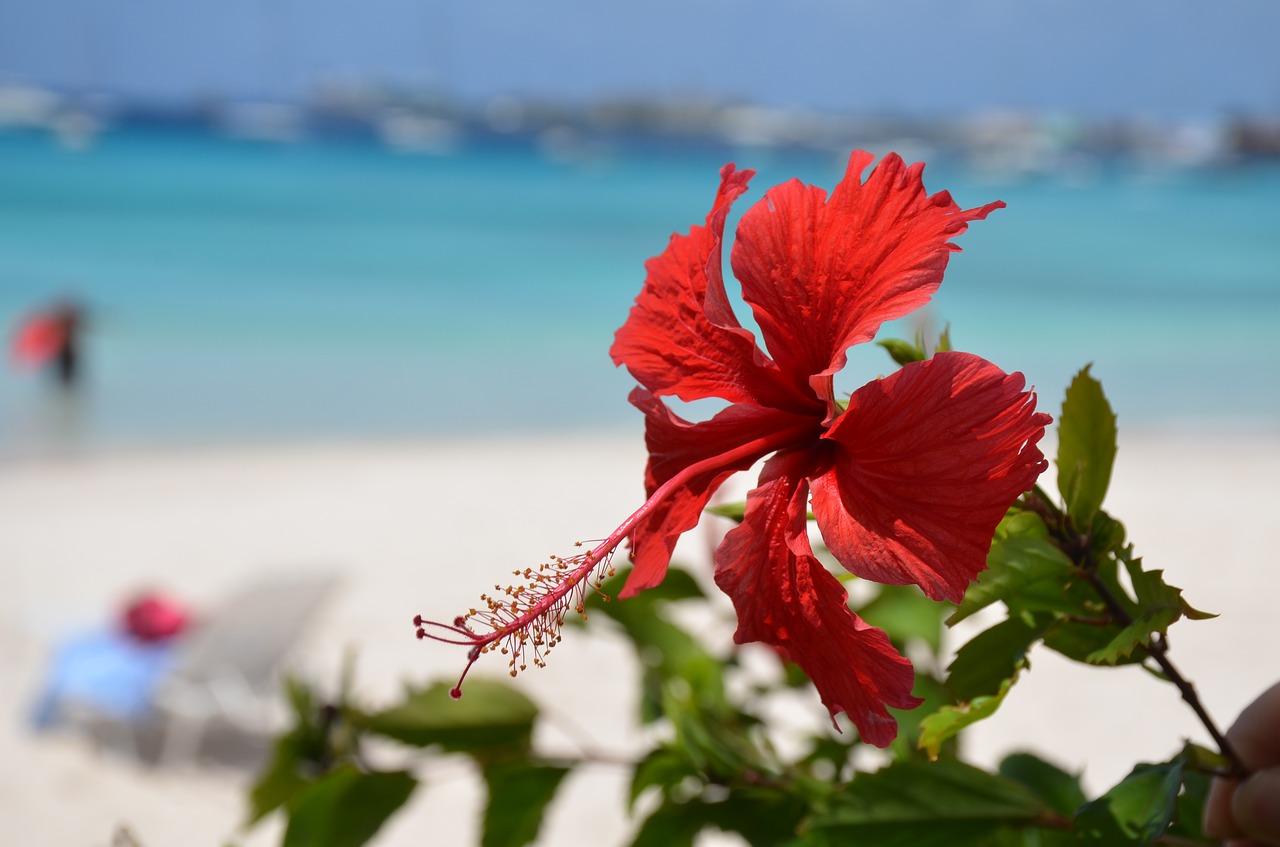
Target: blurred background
<point>286,219</point>
<point>367,225</point>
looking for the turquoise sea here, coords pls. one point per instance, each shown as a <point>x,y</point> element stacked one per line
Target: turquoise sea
<point>245,291</point>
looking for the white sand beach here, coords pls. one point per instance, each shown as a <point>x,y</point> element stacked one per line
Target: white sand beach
<point>424,527</point>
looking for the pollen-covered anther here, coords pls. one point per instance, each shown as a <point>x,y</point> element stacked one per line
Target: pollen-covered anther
<point>523,621</point>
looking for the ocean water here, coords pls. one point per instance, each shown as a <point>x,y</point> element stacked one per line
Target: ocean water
<point>244,291</point>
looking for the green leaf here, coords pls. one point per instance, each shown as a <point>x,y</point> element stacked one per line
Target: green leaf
<point>918,804</point>
<point>1059,790</point>
<point>491,714</point>
<point>346,808</point>
<point>1020,523</point>
<point>950,721</point>
<point>302,700</point>
<point>1158,606</point>
<point>1086,448</point>
<point>944,340</point>
<point>904,613</point>
<point>279,782</point>
<point>980,677</point>
<point>663,767</point>
<point>1106,536</point>
<point>518,795</point>
<point>982,666</point>
<point>833,752</point>
<point>1189,817</point>
<point>1080,642</point>
<point>709,732</point>
<point>671,825</point>
<point>667,653</point>
<point>911,722</point>
<point>1204,759</point>
<point>306,747</point>
<point>677,585</point>
<point>1092,636</point>
<point>732,511</point>
<point>1137,810</point>
<point>1026,573</point>
<point>1031,836</point>
<point>1155,596</point>
<point>763,817</point>
<point>902,352</point>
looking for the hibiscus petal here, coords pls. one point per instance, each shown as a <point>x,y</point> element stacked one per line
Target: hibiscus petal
<point>681,336</point>
<point>786,598</point>
<point>928,461</point>
<point>822,275</point>
<point>733,440</point>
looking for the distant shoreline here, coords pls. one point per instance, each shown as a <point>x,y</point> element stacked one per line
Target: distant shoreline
<point>432,123</point>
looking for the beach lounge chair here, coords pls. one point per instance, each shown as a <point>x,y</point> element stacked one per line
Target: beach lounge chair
<point>228,668</point>
<point>224,669</point>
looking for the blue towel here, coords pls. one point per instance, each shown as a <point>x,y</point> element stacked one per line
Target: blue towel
<point>109,672</point>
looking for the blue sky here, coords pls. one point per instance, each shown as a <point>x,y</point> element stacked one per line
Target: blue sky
<point>1163,59</point>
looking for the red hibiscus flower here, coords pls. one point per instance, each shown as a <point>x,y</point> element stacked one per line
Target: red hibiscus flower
<point>907,480</point>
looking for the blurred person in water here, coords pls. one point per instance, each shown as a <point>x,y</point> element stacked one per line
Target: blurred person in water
<point>51,338</point>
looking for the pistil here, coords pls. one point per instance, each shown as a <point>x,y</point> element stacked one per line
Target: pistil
<point>524,621</point>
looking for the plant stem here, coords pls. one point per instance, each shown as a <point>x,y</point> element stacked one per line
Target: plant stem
<point>1158,648</point>
<point>1078,547</point>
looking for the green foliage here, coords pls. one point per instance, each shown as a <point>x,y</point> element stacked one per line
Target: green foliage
<point>902,352</point>
<point>1027,573</point>
<point>280,782</point>
<point>737,511</point>
<point>917,350</point>
<point>949,721</point>
<point>1059,790</point>
<point>914,728</point>
<point>305,747</point>
<point>495,716</point>
<point>672,825</point>
<point>906,615</point>
<point>733,511</point>
<point>763,817</point>
<point>1156,605</point>
<point>1067,578</point>
<point>981,667</point>
<point>980,677</point>
<point>919,803</point>
<point>675,667</point>
<point>1137,810</point>
<point>345,807</point>
<point>519,792</point>
<point>1086,448</point>
<point>1188,823</point>
<point>665,767</point>
<point>317,775</point>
